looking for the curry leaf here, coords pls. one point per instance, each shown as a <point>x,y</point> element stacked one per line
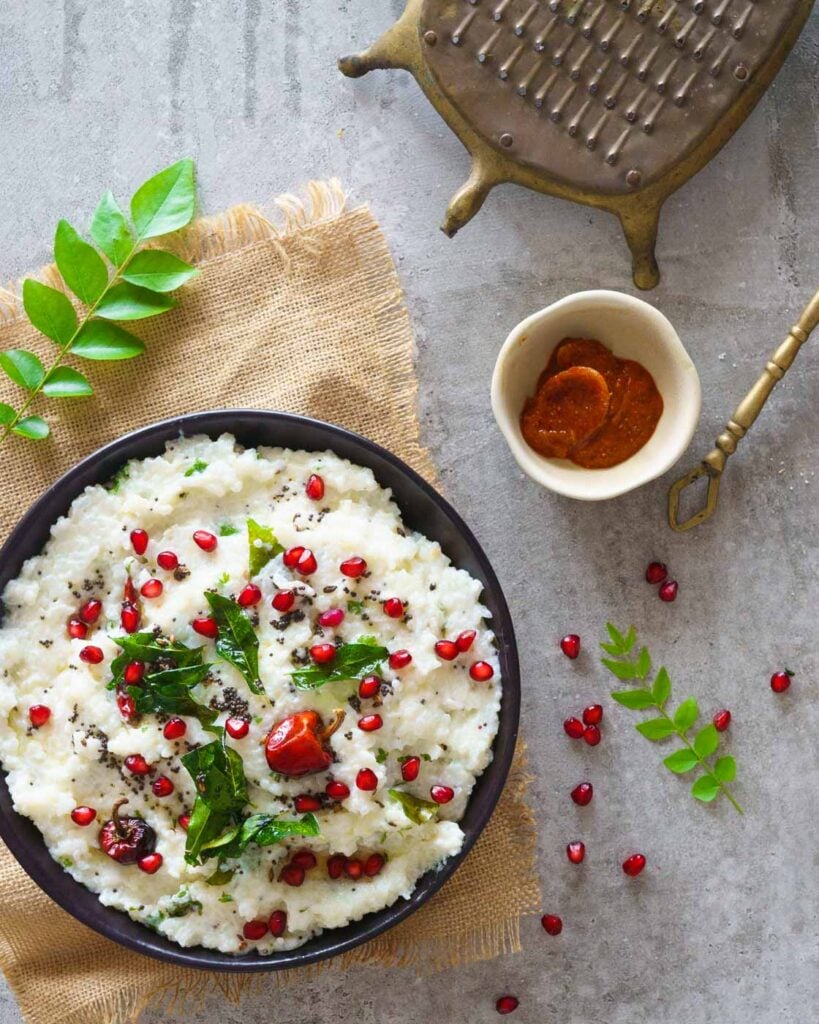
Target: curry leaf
<point>236,640</point>
<point>24,368</point>
<point>158,271</point>
<point>165,202</point>
<point>81,266</point>
<point>416,809</point>
<point>681,761</point>
<point>686,714</point>
<point>111,232</point>
<point>656,728</point>
<point>50,311</point>
<point>221,794</point>
<point>100,340</point>
<point>637,700</point>
<point>705,788</point>
<point>261,829</point>
<point>352,661</point>
<point>129,302</point>
<point>725,769</point>
<point>34,428</point>
<point>262,544</point>
<point>63,382</point>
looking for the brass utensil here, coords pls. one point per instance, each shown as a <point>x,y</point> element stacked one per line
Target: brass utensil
<point>738,426</point>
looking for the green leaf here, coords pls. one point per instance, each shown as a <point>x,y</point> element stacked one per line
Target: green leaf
<point>158,271</point>
<point>262,546</point>
<point>661,690</point>
<point>706,741</point>
<point>617,637</point>
<point>24,368</point>
<point>128,302</point>
<point>34,428</point>
<point>655,728</point>
<point>643,663</point>
<point>236,641</point>
<point>80,264</point>
<point>7,414</point>
<point>149,648</point>
<point>110,231</point>
<point>705,788</point>
<point>227,529</point>
<point>168,692</point>
<point>63,382</point>
<point>621,669</point>
<point>100,340</point>
<point>356,607</point>
<point>181,904</point>
<point>381,756</point>
<point>686,714</point>
<point>221,876</point>
<point>637,700</point>
<point>414,807</point>
<point>681,761</point>
<point>725,769</point>
<point>50,311</point>
<point>352,661</point>
<point>261,829</point>
<point>221,794</point>
<point>199,466</point>
<point>165,202</point>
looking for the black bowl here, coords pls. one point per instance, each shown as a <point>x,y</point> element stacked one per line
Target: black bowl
<point>424,510</point>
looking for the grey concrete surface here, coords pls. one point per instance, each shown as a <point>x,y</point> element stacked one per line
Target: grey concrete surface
<point>722,926</point>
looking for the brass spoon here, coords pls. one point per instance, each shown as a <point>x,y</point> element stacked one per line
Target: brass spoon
<point>738,426</point>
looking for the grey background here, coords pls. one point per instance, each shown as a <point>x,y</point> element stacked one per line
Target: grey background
<point>722,925</point>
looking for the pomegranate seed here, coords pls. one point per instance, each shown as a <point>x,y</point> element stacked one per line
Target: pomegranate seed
<point>304,803</point>
<point>139,541</point>
<point>570,645</point>
<point>400,659</point>
<point>77,629</point>
<point>393,607</point>
<point>369,687</point>
<point>481,671</point>
<point>668,591</point>
<point>722,719</point>
<point>249,596</point>
<point>237,728</point>
<point>137,765</point>
<point>593,714</point>
<point>337,790</point>
<point>292,874</point>
<point>591,734</point>
<point>780,681</point>
<point>162,786</point>
<point>277,923</point>
<point>129,618</point>
<point>410,767</point>
<point>305,859</point>
<point>167,560</point>
<point>367,780</point>
<point>175,729</point>
<point>322,653</point>
<point>150,863</point>
<point>38,714</point>
<point>314,488</point>
<point>573,727</point>
<point>92,655</point>
<point>129,594</point>
<point>134,672</point>
<point>465,640</point>
<point>634,864</point>
<point>353,567</point>
<point>291,557</point>
<point>254,930</point>
<point>656,572</point>
<point>507,1004</point>
<point>284,600</point>
<point>126,705</point>
<point>151,588</point>
<point>307,563</point>
<point>576,851</point>
<point>583,793</point>
<point>369,723</point>
<point>90,611</point>
<point>205,540</point>
<point>206,626</point>
<point>353,868</point>
<point>447,650</point>
<point>184,821</point>
<point>552,924</point>
<point>83,816</point>
<point>335,865</point>
<point>331,618</point>
<point>373,865</point>
<point>442,794</point>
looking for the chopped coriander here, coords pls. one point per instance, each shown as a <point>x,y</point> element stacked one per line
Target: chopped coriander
<point>198,467</point>
<point>227,530</point>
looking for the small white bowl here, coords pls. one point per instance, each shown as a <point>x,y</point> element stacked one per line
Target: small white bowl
<point>632,329</point>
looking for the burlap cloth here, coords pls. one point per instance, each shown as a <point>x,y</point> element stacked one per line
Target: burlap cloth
<point>303,312</point>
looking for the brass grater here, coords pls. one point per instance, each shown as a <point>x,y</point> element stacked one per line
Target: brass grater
<point>611,103</point>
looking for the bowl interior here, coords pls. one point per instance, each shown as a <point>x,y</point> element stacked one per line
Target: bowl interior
<point>423,509</point>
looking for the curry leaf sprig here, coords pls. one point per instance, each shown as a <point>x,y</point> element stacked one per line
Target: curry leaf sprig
<point>133,284</point>
<point>694,753</point>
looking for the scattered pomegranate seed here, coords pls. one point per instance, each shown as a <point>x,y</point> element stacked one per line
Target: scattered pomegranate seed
<point>129,594</point>
<point>175,729</point>
<point>304,859</point>
<point>373,865</point>
<point>593,714</point>
<point>668,591</point>
<point>126,705</point>
<point>722,719</point>
<point>150,863</point>
<point>162,786</point>
<point>291,557</point>
<point>307,563</point>
<point>314,488</point>
<point>322,654</point>
<point>129,617</point>
<point>335,865</point>
<point>582,794</point>
<point>576,851</point>
<point>137,765</point>
<point>77,629</point>
<point>237,728</point>
<point>573,727</point>
<point>591,734</point>
<point>90,611</point>
<point>400,659</point>
<point>304,803</point>
<point>277,923</point>
<point>184,821</point>
<point>552,924</point>
<point>249,596</point>
<point>410,767</point>
<point>284,600</point>
<point>369,723</point>
<point>254,930</point>
<point>441,794</point>
<point>167,560</point>
<point>367,780</point>
<point>206,626</point>
<point>780,681</point>
<point>446,649</point>
<point>481,671</point>
<point>353,567</point>
<point>331,618</point>
<point>353,868</point>
<point>656,572</point>
<point>39,714</point>
<point>570,645</point>
<point>337,790</point>
<point>465,640</point>
<point>92,655</point>
<point>369,687</point>
<point>139,541</point>
<point>151,588</point>
<point>205,540</point>
<point>83,816</point>
<point>393,607</point>
<point>507,1004</point>
<point>292,874</point>
<point>134,672</point>
<point>634,864</point>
